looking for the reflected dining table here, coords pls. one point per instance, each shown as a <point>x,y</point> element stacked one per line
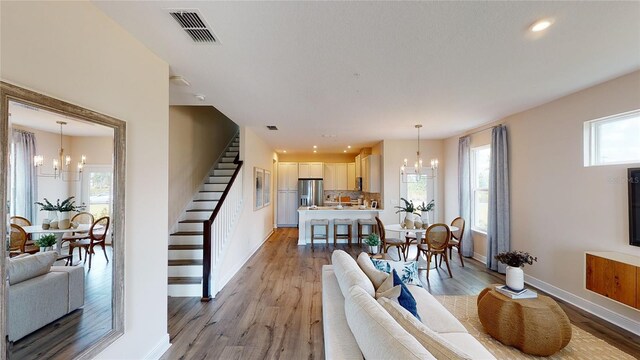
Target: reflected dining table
<point>419,233</point>
<point>37,229</point>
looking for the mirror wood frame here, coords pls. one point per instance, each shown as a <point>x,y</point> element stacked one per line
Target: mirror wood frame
<point>10,92</point>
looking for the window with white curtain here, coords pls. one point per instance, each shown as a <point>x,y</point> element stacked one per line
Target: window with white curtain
<point>612,140</point>
<point>480,161</point>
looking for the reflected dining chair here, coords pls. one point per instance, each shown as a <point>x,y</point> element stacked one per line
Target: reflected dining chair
<point>80,218</point>
<point>96,237</point>
<point>22,221</point>
<point>456,238</point>
<point>435,242</point>
<point>18,242</point>
<point>387,243</point>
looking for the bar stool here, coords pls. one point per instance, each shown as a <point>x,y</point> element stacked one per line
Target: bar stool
<point>319,222</point>
<point>371,224</point>
<point>336,235</point>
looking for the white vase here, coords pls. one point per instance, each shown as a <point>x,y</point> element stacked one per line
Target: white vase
<point>373,249</point>
<point>46,248</point>
<point>408,221</point>
<point>63,220</point>
<point>515,278</point>
<point>425,218</point>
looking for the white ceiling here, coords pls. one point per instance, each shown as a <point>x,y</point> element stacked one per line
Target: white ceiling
<point>367,71</point>
<point>44,120</point>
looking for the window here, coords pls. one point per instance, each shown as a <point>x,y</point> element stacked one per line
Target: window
<point>419,189</point>
<point>612,140</point>
<point>96,194</point>
<point>480,160</point>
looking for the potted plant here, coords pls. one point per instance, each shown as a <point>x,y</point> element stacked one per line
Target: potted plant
<point>424,211</point>
<point>373,241</point>
<point>409,210</point>
<point>48,206</point>
<point>515,260</point>
<point>46,242</point>
<point>64,208</point>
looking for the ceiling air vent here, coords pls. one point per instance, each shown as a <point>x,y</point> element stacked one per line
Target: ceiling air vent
<point>272,127</point>
<point>191,22</point>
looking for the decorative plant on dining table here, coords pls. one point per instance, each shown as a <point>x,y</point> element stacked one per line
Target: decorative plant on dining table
<point>63,208</point>
<point>46,241</point>
<point>424,211</point>
<point>373,241</point>
<point>515,261</point>
<point>410,210</point>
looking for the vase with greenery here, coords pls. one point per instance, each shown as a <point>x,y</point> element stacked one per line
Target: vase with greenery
<point>63,210</point>
<point>424,211</point>
<point>46,242</point>
<point>515,261</point>
<point>373,241</point>
<point>48,206</point>
<point>410,211</point>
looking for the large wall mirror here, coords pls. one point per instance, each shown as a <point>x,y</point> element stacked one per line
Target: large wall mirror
<point>62,260</point>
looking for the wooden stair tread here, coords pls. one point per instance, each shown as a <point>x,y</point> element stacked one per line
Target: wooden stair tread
<point>209,191</point>
<point>187,233</point>
<point>204,200</point>
<point>184,280</point>
<point>200,210</point>
<point>183,262</point>
<point>185,247</point>
<point>191,221</point>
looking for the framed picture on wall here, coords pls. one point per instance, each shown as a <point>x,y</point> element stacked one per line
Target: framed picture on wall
<point>258,185</point>
<point>267,188</point>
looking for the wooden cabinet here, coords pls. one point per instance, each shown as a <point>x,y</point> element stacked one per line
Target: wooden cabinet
<point>351,176</point>
<point>288,176</point>
<point>287,208</point>
<point>614,275</point>
<point>335,176</point>
<point>371,174</point>
<point>310,170</point>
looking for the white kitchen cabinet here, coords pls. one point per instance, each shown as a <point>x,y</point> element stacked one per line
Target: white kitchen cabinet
<point>287,176</point>
<point>351,176</point>
<point>287,208</point>
<point>329,176</point>
<point>340,181</point>
<point>371,174</point>
<point>358,164</point>
<point>311,170</point>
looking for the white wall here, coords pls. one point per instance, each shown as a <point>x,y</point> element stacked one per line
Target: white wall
<point>72,51</point>
<point>559,208</point>
<point>253,227</point>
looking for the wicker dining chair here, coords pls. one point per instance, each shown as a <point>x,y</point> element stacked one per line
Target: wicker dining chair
<point>80,218</point>
<point>18,242</point>
<point>435,242</point>
<point>22,221</point>
<point>96,237</point>
<point>456,237</point>
<point>387,243</point>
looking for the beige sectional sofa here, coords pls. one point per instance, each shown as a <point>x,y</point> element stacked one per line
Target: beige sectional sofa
<point>357,325</point>
<point>39,293</point>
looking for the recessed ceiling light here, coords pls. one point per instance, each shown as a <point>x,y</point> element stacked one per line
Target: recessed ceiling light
<point>541,25</point>
<point>315,151</point>
<point>284,151</point>
<point>344,151</point>
<point>315,146</point>
<point>348,146</point>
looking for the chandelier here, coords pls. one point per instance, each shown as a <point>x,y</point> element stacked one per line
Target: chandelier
<point>62,168</point>
<point>418,170</point>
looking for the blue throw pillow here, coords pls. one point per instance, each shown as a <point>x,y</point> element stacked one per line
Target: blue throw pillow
<point>407,271</point>
<point>405,299</point>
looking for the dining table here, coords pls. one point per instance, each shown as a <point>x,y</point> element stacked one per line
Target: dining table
<point>37,229</point>
<point>419,233</point>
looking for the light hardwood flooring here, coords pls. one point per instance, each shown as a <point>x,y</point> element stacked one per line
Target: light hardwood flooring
<point>68,336</point>
<point>272,308</point>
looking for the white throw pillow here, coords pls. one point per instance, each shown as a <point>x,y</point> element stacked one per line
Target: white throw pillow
<point>376,276</point>
<point>378,335</point>
<point>25,268</point>
<point>407,271</point>
<point>349,274</point>
<point>439,347</point>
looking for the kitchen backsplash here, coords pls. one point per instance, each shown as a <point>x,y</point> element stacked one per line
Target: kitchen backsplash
<point>373,197</point>
<point>332,195</point>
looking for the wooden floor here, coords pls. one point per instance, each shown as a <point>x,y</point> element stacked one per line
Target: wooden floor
<point>272,308</point>
<point>68,336</point>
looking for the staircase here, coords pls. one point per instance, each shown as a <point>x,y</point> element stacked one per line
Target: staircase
<point>186,245</point>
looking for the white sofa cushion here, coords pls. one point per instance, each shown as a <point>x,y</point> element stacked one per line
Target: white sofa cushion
<point>24,268</point>
<point>378,335</point>
<point>376,276</point>
<point>470,345</point>
<point>437,346</point>
<point>349,274</point>
<point>433,314</point>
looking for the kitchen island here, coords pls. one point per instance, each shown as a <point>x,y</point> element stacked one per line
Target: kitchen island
<point>331,213</point>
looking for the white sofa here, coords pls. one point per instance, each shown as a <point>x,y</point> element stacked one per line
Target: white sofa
<point>39,293</point>
<point>358,326</point>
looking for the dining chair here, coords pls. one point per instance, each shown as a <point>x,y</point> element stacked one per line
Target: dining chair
<point>387,243</point>
<point>435,242</point>
<point>22,221</point>
<point>81,218</point>
<point>18,241</point>
<point>96,237</point>
<point>456,237</point>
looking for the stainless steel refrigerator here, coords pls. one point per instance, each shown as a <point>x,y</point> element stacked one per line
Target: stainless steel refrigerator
<point>310,192</point>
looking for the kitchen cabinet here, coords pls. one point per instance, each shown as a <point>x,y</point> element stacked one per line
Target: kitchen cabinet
<point>351,176</point>
<point>287,208</point>
<point>311,170</point>
<point>336,176</point>
<point>371,174</point>
<point>358,164</point>
<point>288,176</point>
<point>329,176</point>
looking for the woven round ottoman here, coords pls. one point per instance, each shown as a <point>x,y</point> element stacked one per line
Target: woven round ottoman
<point>535,326</point>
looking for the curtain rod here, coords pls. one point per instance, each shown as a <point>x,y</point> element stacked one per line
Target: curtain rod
<point>479,131</point>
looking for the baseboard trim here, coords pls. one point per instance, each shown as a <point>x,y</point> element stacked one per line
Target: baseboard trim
<point>224,281</point>
<point>586,305</point>
<point>479,257</point>
<point>159,349</point>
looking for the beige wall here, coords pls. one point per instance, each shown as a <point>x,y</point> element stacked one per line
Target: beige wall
<point>394,153</point>
<point>559,208</point>
<point>254,226</point>
<point>197,137</point>
<point>73,52</point>
<point>337,158</point>
<point>98,149</point>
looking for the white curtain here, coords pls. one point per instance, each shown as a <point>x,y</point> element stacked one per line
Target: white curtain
<point>24,182</point>
<point>464,192</point>
<point>498,230</point>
